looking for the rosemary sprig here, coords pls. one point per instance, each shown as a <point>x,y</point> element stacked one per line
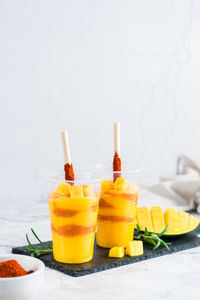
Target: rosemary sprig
<point>38,250</point>
<point>152,238</point>
<point>146,236</point>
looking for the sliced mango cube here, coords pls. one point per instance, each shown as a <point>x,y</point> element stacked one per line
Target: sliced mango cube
<point>106,186</point>
<point>171,219</point>
<point>144,218</point>
<point>121,184</point>
<point>87,191</point>
<point>116,252</point>
<point>76,191</point>
<point>134,248</point>
<point>192,222</point>
<point>63,189</point>
<point>157,219</point>
<point>183,221</point>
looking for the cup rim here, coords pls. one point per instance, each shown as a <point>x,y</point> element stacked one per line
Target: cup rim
<point>128,171</point>
<point>109,168</point>
<point>59,177</point>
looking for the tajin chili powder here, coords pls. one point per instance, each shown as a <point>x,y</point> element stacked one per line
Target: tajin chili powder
<point>69,172</point>
<point>116,166</point>
<point>11,268</point>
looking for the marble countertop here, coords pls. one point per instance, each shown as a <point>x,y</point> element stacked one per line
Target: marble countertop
<point>169,277</point>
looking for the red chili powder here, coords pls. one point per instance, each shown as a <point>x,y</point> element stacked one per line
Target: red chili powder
<point>116,166</point>
<point>69,172</point>
<point>11,268</point>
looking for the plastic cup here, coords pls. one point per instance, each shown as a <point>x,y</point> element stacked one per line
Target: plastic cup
<point>117,208</point>
<point>73,207</point>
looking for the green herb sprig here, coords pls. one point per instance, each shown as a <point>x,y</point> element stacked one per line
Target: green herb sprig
<point>152,238</point>
<point>146,236</point>
<point>38,250</point>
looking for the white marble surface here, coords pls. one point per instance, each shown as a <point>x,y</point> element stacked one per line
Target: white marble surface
<point>169,277</point>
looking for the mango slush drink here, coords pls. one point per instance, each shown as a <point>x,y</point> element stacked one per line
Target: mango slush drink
<point>73,213</point>
<point>117,213</point>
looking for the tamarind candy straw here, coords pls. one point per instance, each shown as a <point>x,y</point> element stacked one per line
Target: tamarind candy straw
<point>116,159</point>
<point>68,167</point>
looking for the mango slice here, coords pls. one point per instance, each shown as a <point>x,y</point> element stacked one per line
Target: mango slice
<point>116,252</point>
<point>157,219</point>
<point>183,221</point>
<point>106,186</point>
<point>134,248</point>
<point>144,218</point>
<point>87,191</point>
<point>172,220</point>
<point>63,189</point>
<point>121,184</point>
<point>76,191</point>
<point>193,223</point>
<point>178,222</point>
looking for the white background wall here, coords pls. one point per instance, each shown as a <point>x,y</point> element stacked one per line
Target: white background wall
<point>80,66</point>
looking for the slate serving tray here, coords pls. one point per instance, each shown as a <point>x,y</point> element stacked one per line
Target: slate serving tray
<point>102,262</point>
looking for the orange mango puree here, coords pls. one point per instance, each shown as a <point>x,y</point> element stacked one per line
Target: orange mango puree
<point>117,213</point>
<point>73,214</point>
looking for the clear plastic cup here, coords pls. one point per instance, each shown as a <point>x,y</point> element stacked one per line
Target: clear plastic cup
<point>73,207</point>
<point>117,208</point>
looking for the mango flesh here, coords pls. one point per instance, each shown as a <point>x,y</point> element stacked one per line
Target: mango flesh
<point>121,184</point>
<point>117,212</point>
<point>192,223</point>
<point>183,221</point>
<point>155,221</point>
<point>87,191</point>
<point>172,220</point>
<point>134,248</point>
<point>144,218</point>
<point>73,214</point>
<point>76,191</point>
<point>63,189</point>
<point>116,252</point>
<point>106,185</point>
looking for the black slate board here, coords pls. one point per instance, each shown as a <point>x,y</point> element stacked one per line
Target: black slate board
<point>101,261</point>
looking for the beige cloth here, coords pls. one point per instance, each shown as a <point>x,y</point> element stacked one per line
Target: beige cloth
<point>181,191</point>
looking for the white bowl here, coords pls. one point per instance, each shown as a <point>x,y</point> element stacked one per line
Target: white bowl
<point>22,287</point>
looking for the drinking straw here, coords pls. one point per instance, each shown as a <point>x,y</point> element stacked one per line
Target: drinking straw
<point>68,167</point>
<point>116,159</point>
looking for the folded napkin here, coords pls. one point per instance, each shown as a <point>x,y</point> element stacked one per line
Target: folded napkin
<point>181,191</point>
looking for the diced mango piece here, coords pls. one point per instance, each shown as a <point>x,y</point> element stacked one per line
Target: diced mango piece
<point>183,221</point>
<point>106,186</point>
<point>63,189</point>
<point>121,184</point>
<point>144,218</point>
<point>87,191</point>
<point>116,252</point>
<point>171,219</point>
<point>157,219</point>
<point>134,248</point>
<point>192,223</point>
<point>76,191</point>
